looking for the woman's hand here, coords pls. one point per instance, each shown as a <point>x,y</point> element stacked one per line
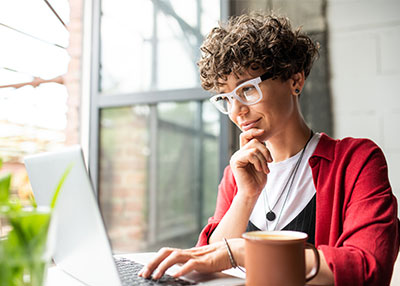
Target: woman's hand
<point>249,166</point>
<point>209,258</point>
<point>250,163</point>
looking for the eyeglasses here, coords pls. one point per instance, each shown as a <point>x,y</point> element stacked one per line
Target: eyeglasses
<point>247,93</point>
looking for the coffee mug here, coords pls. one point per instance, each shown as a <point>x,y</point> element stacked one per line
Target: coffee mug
<point>276,258</point>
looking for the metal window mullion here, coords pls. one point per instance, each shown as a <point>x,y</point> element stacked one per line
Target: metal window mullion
<point>154,43</point>
<point>224,122</point>
<point>150,97</point>
<point>224,9</point>
<point>154,161</point>
<point>153,175</point>
<point>224,138</point>
<point>199,39</point>
<point>94,97</point>
<point>200,173</point>
<point>188,131</point>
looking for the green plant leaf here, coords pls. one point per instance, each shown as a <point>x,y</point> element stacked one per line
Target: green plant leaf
<point>22,249</point>
<point>32,200</point>
<point>21,252</point>
<point>60,183</point>
<point>5,180</point>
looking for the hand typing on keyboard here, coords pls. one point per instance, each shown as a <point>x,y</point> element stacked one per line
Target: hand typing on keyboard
<point>128,270</point>
<point>209,258</point>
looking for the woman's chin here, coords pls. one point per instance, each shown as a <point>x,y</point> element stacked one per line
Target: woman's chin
<point>262,138</point>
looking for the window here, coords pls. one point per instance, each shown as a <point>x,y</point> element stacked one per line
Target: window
<point>33,98</point>
<point>155,140</point>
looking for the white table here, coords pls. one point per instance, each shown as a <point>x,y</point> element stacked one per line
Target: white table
<point>57,277</point>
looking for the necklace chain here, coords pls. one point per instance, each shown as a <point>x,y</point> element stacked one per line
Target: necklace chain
<point>284,188</point>
<point>271,215</point>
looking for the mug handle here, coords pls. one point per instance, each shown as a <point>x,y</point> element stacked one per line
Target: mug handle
<point>314,271</point>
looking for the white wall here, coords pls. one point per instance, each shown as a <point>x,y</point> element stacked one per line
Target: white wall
<point>364,53</point>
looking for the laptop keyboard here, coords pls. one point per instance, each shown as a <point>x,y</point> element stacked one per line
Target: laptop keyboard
<point>129,269</point>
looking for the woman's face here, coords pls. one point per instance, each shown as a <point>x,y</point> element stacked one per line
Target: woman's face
<point>272,113</point>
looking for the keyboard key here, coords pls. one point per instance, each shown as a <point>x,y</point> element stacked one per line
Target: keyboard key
<point>129,269</point>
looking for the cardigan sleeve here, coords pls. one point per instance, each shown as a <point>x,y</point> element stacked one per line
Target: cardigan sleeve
<point>367,246</point>
<point>226,191</point>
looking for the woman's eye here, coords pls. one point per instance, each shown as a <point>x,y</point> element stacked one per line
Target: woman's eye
<point>221,98</point>
<point>248,89</point>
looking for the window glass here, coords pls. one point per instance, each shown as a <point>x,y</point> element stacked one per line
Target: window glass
<point>158,174</point>
<point>211,173</point>
<point>154,47</point>
<point>9,77</point>
<point>123,177</point>
<point>178,113</point>
<point>211,118</point>
<point>41,59</point>
<point>177,190</point>
<point>36,20</point>
<point>26,128</point>
<point>34,77</point>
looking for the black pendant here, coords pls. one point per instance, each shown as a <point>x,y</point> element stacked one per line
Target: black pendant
<point>271,216</point>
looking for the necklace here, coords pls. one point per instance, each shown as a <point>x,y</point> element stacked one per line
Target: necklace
<point>270,215</point>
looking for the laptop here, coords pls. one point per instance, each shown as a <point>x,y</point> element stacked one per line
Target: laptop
<point>82,248</point>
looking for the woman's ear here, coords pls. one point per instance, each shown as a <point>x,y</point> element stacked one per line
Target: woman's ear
<point>297,83</point>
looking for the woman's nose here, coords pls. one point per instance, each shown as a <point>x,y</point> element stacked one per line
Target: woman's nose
<point>238,108</point>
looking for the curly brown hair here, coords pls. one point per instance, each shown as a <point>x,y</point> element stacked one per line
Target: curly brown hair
<point>252,41</point>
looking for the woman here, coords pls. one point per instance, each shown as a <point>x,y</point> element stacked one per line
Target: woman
<point>285,176</point>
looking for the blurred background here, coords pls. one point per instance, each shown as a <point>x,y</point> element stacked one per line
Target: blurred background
<point>120,79</point>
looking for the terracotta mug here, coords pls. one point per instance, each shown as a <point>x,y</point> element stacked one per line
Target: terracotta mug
<point>276,258</point>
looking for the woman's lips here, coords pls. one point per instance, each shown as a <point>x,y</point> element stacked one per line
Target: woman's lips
<point>247,125</point>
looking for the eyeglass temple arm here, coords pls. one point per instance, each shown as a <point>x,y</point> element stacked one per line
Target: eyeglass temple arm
<point>266,75</point>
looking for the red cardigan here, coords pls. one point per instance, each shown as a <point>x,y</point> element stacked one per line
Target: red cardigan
<point>356,213</point>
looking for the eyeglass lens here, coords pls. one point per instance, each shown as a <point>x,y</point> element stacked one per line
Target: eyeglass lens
<point>246,94</point>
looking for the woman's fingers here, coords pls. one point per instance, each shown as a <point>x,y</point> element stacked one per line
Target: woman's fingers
<point>187,267</point>
<point>167,257</point>
<point>256,160</point>
<point>253,156</point>
<point>248,141</point>
<point>264,163</point>
<point>259,162</point>
<point>248,135</point>
<point>267,155</point>
<point>215,258</point>
<point>197,258</point>
<point>177,256</point>
<point>208,258</point>
<point>162,254</point>
<point>254,143</point>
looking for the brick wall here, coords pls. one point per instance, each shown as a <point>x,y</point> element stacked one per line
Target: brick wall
<point>365,71</point>
<point>123,178</point>
<point>72,79</point>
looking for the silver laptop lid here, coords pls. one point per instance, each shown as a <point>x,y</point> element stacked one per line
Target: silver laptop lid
<point>82,248</point>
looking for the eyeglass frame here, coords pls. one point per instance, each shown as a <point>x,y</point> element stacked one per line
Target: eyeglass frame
<point>232,95</point>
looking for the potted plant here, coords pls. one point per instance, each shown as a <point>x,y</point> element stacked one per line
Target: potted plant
<point>24,237</point>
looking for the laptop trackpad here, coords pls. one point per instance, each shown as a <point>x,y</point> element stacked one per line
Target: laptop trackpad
<point>213,279</point>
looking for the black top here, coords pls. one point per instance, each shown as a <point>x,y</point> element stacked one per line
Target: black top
<point>304,221</point>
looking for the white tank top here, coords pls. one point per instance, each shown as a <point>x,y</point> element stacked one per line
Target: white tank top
<point>300,194</point>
